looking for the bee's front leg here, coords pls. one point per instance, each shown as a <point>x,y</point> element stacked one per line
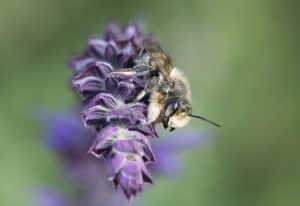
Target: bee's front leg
<point>142,69</point>
<point>165,122</point>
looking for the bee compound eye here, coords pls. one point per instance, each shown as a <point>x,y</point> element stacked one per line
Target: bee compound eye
<point>168,111</point>
<point>171,109</point>
<point>175,105</point>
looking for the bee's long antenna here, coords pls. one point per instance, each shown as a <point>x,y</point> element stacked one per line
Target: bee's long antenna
<point>203,118</point>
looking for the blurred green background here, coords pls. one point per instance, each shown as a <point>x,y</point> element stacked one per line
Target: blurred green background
<point>242,58</point>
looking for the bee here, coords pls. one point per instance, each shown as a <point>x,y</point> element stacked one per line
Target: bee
<point>167,87</point>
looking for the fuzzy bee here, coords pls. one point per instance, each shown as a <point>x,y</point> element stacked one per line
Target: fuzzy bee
<point>168,89</point>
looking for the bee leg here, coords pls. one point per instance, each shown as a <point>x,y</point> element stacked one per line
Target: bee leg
<point>148,88</point>
<point>165,123</point>
<point>171,129</point>
<point>140,95</point>
<point>142,69</point>
<point>154,110</point>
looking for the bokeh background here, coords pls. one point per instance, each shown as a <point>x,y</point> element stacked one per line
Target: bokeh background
<point>242,59</point>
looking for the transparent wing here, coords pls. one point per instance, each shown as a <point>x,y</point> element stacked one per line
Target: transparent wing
<point>159,59</point>
<point>138,70</point>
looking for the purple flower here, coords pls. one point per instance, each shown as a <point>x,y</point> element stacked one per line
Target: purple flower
<point>118,46</point>
<point>108,106</point>
<point>121,140</point>
<point>67,137</point>
<point>130,172</point>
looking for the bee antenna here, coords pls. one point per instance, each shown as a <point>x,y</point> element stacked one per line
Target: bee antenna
<point>203,118</point>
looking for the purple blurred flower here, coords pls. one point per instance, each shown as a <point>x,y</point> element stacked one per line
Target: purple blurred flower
<point>50,197</point>
<point>171,145</point>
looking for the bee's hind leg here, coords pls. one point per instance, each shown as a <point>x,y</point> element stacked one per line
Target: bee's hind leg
<point>142,69</point>
<point>148,88</point>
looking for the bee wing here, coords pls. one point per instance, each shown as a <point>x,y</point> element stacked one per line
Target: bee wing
<point>139,70</point>
<point>159,59</point>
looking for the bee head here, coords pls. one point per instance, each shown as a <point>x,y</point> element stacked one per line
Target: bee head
<point>176,113</point>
